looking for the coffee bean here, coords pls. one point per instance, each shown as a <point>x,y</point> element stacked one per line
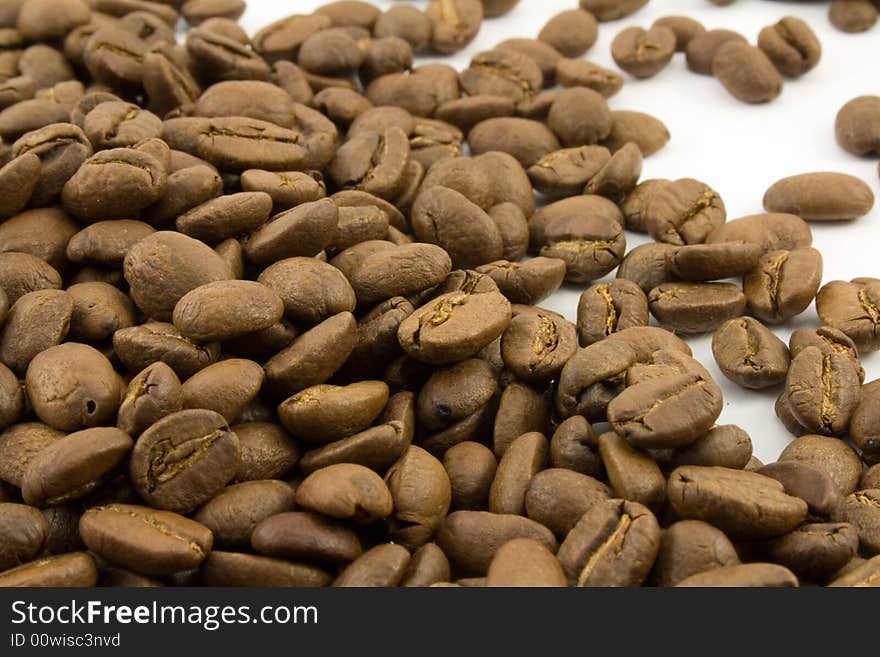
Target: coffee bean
<point>825,196</point>
<point>76,569</point>
<point>643,53</point>
<point>145,540</point>
<point>815,550</point>
<point>241,569</point>
<point>591,378</point>
<point>567,171</point>
<point>783,284</point>
<point>139,346</point>
<point>226,387</point>
<point>865,574</point>
<point>24,530</point>
<point>422,494</point>
<point>615,543</point>
<point>570,126</point>
<point>857,126</point>
<point>645,131</point>
<point>323,413</point>
<point>685,211</point>
<point>647,265</point>
<point>524,562</point>
<point>696,307</point>
<point>772,232</point>
<point>743,504</point>
<point>536,346</point>
<point>226,309</point>
<point>571,32</point>
<point>306,536</point>
<point>685,29</point>
<point>609,10</point>
<point>863,425</point>
<point>690,547</point>
<point>852,15</point>
<point>527,141</point>
<point>346,491</point>
<point>35,322</point>
<point>504,73</point>
<point>833,457</point>
<point>813,486</point>
<point>610,307</point>
<point>744,575</point>
<point>471,538</point>
<point>455,23</point>
<point>152,394</point>
<point>749,354</point>
<point>234,513</point>
<point>823,390</point>
<point>703,47</point>
<point>522,409</point>
<point>709,262</point>
<point>632,475</point>
<point>852,308</point>
<point>523,459</point>
<point>581,73</point>
<point>791,45</point>
<point>861,509</point>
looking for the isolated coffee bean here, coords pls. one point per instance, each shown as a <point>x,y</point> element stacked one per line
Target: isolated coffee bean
<point>857,126</point>
<point>145,540</point>
<point>823,391</point>
<point>791,45</point>
<point>852,15</point>
<point>614,544</point>
<point>852,308</point>
<point>749,354</point>
<point>643,53</point>
<point>761,575</point>
<point>826,196</point>
<point>703,47</point>
<point>743,504</point>
<point>689,547</point>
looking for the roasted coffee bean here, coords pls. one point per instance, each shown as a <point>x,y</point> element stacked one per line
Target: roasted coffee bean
<point>505,73</point>
<point>783,284</point>
<point>145,540</point>
<point>471,538</point>
<point>282,39</point>
<point>241,569</point>
<point>852,308</point>
<point>703,47</point>
<point>746,72</point>
<point>184,459</point>
<point>346,491</point>
<point>20,444</point>
<point>828,340</point>
<point>139,346</point>
<point>591,245</point>
<point>861,509</point>
<point>454,326</point>
<point>405,22</point>
<point>643,53</point>
<point>820,196</point>
<point>862,573</point>
<point>685,211</point>
<point>471,469</point>
<point>76,569</point>
<point>592,377</point>
<point>521,410</point>
<point>325,413</point>
<point>696,307</point>
<point>455,23</point>
<point>647,265</point>
<point>743,504</point>
<point>619,176</point>
<point>863,427</point>
<point>852,15</point>
<point>709,262</point>
<point>304,230</point>
<point>527,141</point>
<point>526,283</point>
<point>857,126</point>
<point>813,486</point>
<point>760,575</point>
<point>220,311</point>
<point>305,536</point>
<point>567,171</point>
<point>218,58</point>
<point>574,128</point>
<point>571,32</point>
<point>24,532</point>
<point>152,394</point>
<point>833,457</point>
<point>684,28</point>
<point>558,497</point>
<point>823,391</point>
<point>772,232</point>
<point>615,543</point>
<point>523,459</point>
<point>381,566</point>
<point>35,322</point>
<point>525,562</point>
<point>610,307</point>
<point>817,550</point>
<point>226,216</point>
<point>18,179</point>
<point>689,547</point>
<point>648,133</point>
<point>791,45</point>
<point>72,386</point>
<point>632,475</point>
<point>536,345</point>
<point>234,513</point>
<point>422,494</point>
<point>749,354</point>
<point>267,451</point>
<point>226,387</point>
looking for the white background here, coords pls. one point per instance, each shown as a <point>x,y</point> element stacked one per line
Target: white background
<point>738,149</point>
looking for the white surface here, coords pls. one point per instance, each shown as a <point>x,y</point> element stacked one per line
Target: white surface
<point>738,149</point>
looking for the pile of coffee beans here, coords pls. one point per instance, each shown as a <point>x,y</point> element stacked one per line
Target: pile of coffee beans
<point>267,316</point>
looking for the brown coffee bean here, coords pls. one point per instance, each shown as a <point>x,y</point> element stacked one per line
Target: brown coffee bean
<point>286,188</point>
<point>43,233</point>
<point>226,387</point>
<point>709,262</point>
<point>527,141</point>
<point>783,284</point>
<point>572,128</point>
<point>234,513</point>
<point>306,536</point>
<point>304,230</point>
<point>267,451</point>
<point>521,410</point>
<point>311,290</point>
<point>381,566</point>
<point>824,196</point>
<point>591,245</point>
<point>152,394</point>
<point>471,538</point>
<point>647,265</point>
<point>455,23</point>
<point>524,562</point>
<point>610,307</point>
<point>567,171</point>
<point>217,58</point>
<point>346,491</point>
<point>24,532</point>
<point>73,386</point>
<point>648,133</point>
<point>505,73</point>
<point>749,354</point>
<point>282,39</point>
<point>581,73</point>
<point>643,53</point>
<point>422,493</point>
<point>813,486</point>
<point>742,504</point>
<point>145,540</point>
<point>35,322</point>
<point>861,509</point>
<point>685,29</point>
<point>772,232</point>
<point>523,459</point>
<point>106,242</point>
<point>614,544</point>
<point>863,574</point>
<point>823,391</point>
<point>685,211</point>
<point>591,378</point>
<point>632,475</point>
<point>816,550</point>
<point>73,466</point>
<point>857,126</point>
<point>791,45</point>
<point>852,308</point>
<point>743,575</point>
<point>240,569</point>
<point>690,547</point>
<point>18,179</point>
<point>536,346</point>
<point>863,427</point>
<point>696,307</point>
<point>405,22</point>
<point>471,469</point>
<point>852,15</point>
<point>20,444</point>
<point>833,457</point>
<point>76,569</point>
<point>703,47</point>
<point>571,32</point>
<point>139,346</point>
